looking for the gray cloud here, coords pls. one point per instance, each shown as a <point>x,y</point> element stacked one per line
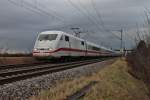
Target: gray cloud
<point>20,22</point>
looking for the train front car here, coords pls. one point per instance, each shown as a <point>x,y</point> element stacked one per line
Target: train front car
<point>46,44</point>
<point>58,44</point>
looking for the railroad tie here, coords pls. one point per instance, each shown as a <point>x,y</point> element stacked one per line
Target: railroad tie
<point>80,93</point>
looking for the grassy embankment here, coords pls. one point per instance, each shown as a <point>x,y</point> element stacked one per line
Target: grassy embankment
<point>114,83</point>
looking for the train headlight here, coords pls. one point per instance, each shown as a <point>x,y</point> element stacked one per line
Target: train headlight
<point>50,49</point>
<point>35,49</point>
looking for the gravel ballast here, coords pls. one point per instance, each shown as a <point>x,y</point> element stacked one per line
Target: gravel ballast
<point>22,90</point>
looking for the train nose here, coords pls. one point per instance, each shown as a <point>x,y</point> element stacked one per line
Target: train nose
<point>42,52</point>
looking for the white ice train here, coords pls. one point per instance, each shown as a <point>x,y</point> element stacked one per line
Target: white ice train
<point>57,44</point>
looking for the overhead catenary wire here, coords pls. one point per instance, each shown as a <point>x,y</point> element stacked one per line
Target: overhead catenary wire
<point>38,10</point>
<point>24,5</point>
<point>98,38</point>
<point>101,20</point>
<point>57,15</point>
<point>83,13</point>
<point>99,16</point>
<point>87,14</point>
<point>28,8</point>
<point>33,9</point>
<point>43,11</point>
<point>53,14</point>
<point>94,19</point>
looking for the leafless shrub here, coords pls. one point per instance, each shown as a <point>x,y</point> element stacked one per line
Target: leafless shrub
<point>139,59</point>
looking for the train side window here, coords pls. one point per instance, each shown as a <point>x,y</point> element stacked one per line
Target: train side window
<point>82,42</point>
<point>66,38</point>
<point>95,48</point>
<point>61,38</point>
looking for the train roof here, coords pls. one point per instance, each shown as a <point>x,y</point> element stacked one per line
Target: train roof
<point>51,32</point>
<point>61,32</point>
<point>93,44</point>
<point>70,35</point>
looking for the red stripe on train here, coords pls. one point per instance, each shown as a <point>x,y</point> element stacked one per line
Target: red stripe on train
<point>68,49</point>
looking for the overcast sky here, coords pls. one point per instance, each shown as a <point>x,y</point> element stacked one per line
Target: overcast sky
<point>21,20</point>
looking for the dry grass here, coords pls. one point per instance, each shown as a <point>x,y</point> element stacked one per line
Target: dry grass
<point>61,91</point>
<point>115,83</point>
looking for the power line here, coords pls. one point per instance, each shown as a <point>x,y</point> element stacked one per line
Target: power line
<point>56,15</point>
<point>98,14</point>
<point>90,15</point>
<point>54,12</point>
<point>28,8</point>
<point>36,9</point>
<point>43,11</point>
<point>101,20</point>
<point>87,14</point>
<point>82,12</point>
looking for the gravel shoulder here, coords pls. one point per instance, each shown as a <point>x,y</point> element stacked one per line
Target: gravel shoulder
<point>22,90</point>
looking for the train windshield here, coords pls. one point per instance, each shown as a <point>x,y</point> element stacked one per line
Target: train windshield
<point>49,37</point>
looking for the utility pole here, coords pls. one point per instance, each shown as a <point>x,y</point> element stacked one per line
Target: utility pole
<point>121,38</point>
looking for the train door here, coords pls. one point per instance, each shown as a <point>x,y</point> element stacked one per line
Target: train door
<point>67,45</point>
<point>83,45</point>
<point>86,48</point>
<point>64,46</point>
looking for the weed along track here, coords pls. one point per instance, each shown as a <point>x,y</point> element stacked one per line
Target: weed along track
<point>79,94</point>
<point>20,73</point>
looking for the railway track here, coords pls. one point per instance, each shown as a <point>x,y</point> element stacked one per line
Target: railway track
<point>7,67</point>
<point>15,73</point>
